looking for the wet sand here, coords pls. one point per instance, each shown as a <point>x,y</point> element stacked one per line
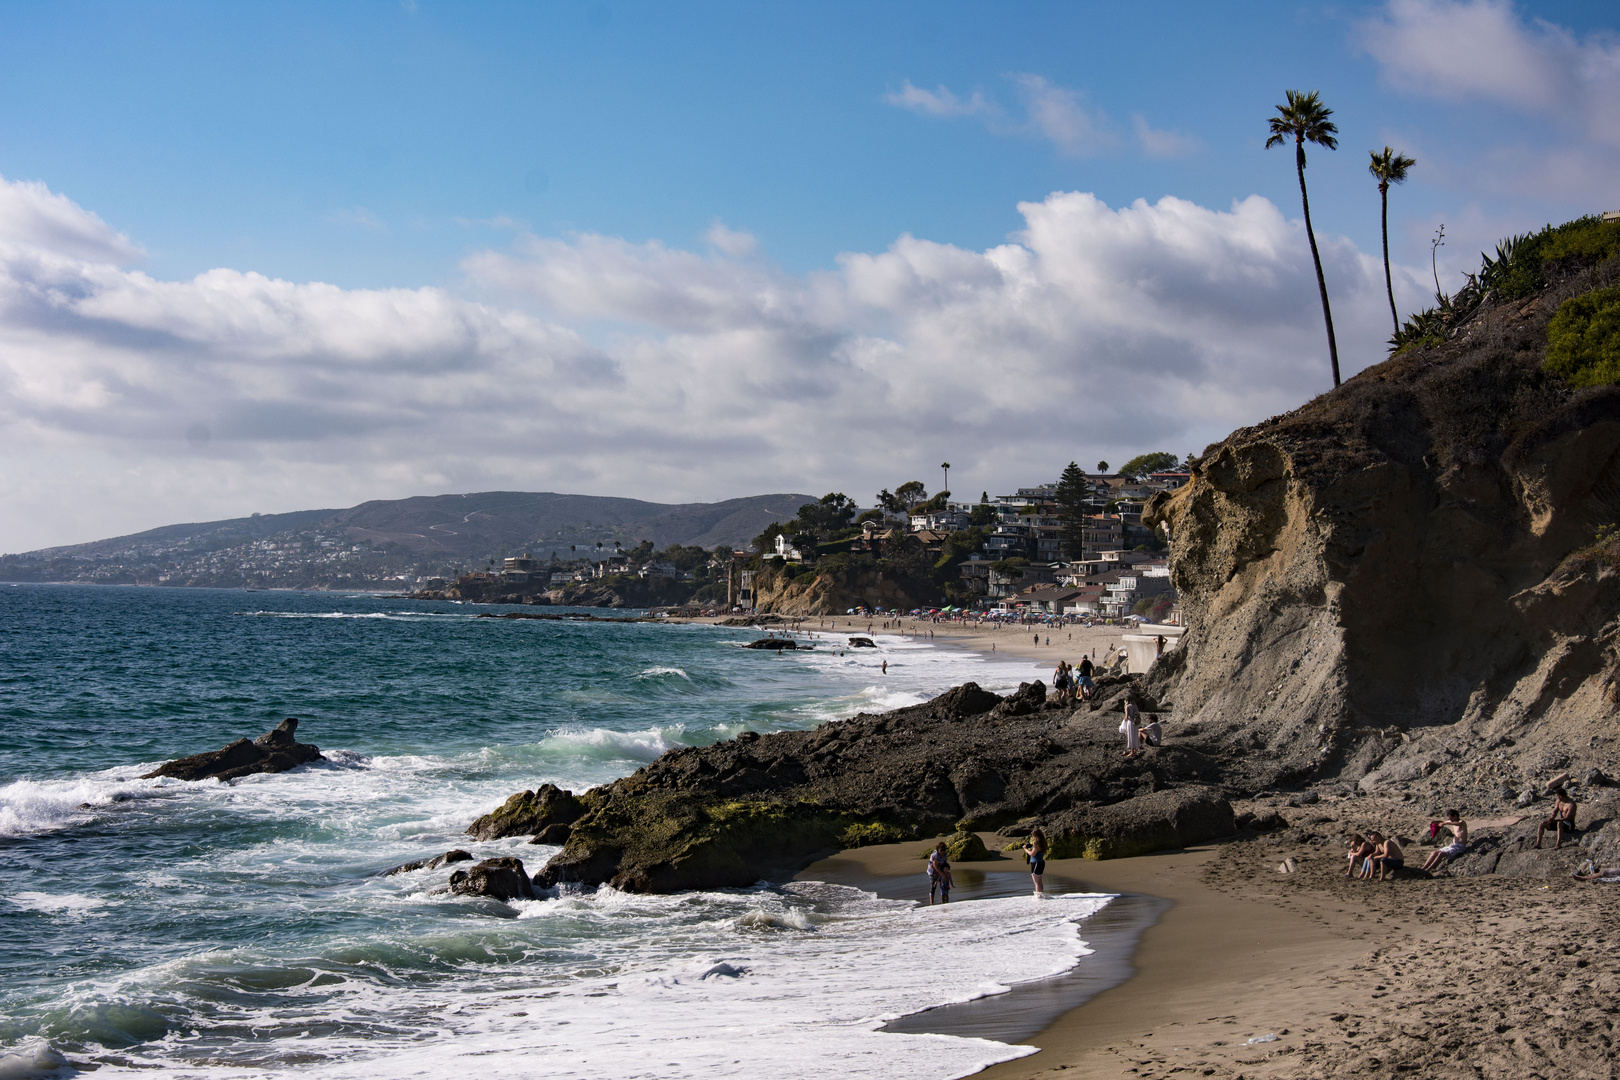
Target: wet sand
<point>1465,977</point>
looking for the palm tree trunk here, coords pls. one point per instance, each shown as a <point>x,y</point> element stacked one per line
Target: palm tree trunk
<point>1389,287</point>
<point>1321,282</point>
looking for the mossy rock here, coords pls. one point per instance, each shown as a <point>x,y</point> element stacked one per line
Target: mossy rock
<point>962,847</point>
<point>1161,821</point>
<point>527,812</point>
<point>864,834</point>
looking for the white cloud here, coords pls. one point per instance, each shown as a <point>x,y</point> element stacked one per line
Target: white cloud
<point>1163,144</point>
<point>1062,116</point>
<point>1482,51</point>
<point>1094,332</point>
<point>730,241</point>
<point>938,102</point>
<point>33,215</point>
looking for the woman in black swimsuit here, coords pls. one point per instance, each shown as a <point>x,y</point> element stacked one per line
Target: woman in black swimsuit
<point>1035,853</point>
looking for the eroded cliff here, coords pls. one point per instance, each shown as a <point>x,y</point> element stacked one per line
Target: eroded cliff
<point>1410,578</point>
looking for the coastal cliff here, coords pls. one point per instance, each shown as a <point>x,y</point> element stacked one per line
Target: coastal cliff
<point>1414,577</point>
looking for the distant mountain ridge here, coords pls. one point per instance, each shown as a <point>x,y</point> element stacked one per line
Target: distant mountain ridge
<point>481,524</point>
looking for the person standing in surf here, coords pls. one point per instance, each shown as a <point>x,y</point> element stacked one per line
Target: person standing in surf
<point>939,874</point>
<point>1035,854</point>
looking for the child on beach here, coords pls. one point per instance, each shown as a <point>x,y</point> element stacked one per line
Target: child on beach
<point>939,874</point>
<point>1459,841</point>
<point>1035,855</point>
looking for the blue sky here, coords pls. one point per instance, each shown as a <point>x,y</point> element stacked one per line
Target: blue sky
<point>749,170</point>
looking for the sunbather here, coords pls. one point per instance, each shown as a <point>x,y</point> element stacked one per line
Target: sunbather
<point>1563,817</point>
<point>1458,845</point>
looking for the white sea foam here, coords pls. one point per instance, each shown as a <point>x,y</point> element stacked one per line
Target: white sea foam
<point>659,672</point>
<point>68,904</point>
<point>36,1058</point>
<point>644,745</point>
<point>29,807</point>
<point>692,985</point>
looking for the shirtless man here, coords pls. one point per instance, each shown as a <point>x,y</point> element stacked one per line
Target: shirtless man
<point>1459,841</point>
<point>1389,858</point>
<point>1563,817</point>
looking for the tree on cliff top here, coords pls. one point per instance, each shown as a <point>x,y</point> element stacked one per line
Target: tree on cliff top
<point>1305,119</point>
<point>1389,168</point>
<point>828,516</point>
<point>1143,464</point>
<point>1072,491</point>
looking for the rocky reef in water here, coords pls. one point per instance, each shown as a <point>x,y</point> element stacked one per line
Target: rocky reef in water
<point>275,751</point>
<point>761,806</point>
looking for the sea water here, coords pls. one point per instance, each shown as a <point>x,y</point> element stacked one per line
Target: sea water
<point>245,929</point>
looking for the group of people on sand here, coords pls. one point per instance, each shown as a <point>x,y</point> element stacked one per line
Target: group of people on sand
<point>1376,857</point>
<point>939,867</point>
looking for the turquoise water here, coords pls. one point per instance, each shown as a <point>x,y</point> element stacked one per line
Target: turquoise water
<point>243,929</point>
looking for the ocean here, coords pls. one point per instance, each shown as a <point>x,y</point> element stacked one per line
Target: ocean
<point>245,929</point>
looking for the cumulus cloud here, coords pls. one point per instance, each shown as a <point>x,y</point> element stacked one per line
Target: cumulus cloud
<point>1093,332</point>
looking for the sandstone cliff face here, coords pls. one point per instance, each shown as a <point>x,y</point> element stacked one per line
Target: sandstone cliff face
<point>833,593</point>
<point>1401,575</point>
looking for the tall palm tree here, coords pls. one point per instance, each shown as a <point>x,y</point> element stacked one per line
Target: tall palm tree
<point>1390,168</point>
<point>1305,119</point>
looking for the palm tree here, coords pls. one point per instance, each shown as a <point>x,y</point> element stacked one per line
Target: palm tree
<point>1305,119</point>
<point>947,467</point>
<point>1390,168</point>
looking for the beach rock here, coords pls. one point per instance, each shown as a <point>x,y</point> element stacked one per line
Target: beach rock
<point>527,813</point>
<point>503,878</point>
<point>762,806</point>
<point>431,864</point>
<point>555,833</point>
<point>1158,821</point>
<point>772,643</point>
<point>275,751</point>
<point>963,847</point>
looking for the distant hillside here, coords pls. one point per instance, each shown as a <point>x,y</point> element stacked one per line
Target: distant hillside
<point>393,540</point>
<point>494,521</point>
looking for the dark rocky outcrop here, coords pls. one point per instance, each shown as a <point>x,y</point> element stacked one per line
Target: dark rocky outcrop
<point>760,806</point>
<point>528,812</point>
<point>434,863</point>
<point>773,643</point>
<point>274,751</point>
<point>503,879</point>
<point>1157,821</point>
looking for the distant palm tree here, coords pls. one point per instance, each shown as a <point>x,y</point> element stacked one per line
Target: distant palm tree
<point>947,467</point>
<point>1305,119</point>
<point>1390,168</point>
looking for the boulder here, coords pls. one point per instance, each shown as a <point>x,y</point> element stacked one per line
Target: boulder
<point>969,699</point>
<point>772,643</point>
<point>966,847</point>
<point>503,878</point>
<point>430,864</point>
<point>555,833</point>
<point>275,751</point>
<point>1159,821</point>
<point>528,813</point>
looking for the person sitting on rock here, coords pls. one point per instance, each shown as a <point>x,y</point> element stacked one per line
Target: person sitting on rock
<point>1152,733</point>
<point>1459,841</point>
<point>939,874</point>
<point>1388,858</point>
<point>1563,817</point>
<point>1361,850</point>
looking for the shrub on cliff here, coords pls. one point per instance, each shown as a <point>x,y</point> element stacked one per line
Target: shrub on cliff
<point>1583,339</point>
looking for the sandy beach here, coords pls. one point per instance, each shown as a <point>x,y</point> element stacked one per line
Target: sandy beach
<point>1252,973</point>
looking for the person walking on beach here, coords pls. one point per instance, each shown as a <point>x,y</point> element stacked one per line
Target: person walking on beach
<point>1084,682</point>
<point>1563,817</point>
<point>939,874</point>
<point>1459,841</point>
<point>1035,855</point>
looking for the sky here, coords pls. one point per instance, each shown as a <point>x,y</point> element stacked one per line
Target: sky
<point>263,257</point>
